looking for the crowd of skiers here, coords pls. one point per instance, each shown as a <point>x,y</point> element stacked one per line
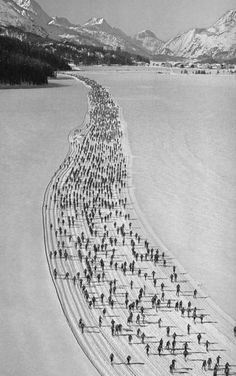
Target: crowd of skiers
<point>93,220</point>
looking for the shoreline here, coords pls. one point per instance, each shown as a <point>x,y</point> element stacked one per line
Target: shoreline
<point>131,194</point>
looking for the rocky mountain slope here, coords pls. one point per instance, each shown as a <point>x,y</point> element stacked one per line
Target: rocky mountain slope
<point>219,40</point>
<point>12,13</point>
<point>100,30</point>
<point>30,17</point>
<point>148,40</point>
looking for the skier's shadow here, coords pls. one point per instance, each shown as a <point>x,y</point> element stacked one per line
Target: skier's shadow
<point>130,364</point>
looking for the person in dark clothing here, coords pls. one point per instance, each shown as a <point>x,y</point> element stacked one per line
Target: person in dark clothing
<point>111,358</point>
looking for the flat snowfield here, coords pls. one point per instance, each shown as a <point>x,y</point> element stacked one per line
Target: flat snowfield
<point>35,123</point>
<point>181,136</point>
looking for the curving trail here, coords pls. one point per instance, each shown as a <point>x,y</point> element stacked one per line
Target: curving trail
<point>118,291</point>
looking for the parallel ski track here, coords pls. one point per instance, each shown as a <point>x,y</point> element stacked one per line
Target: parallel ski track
<point>97,343</point>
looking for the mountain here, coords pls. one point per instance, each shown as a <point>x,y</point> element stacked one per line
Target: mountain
<point>100,30</point>
<point>30,17</point>
<point>60,22</point>
<point>34,11</point>
<point>12,13</point>
<point>98,24</point>
<point>218,41</point>
<point>148,40</point>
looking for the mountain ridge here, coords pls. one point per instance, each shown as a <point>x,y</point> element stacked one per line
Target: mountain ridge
<point>218,40</point>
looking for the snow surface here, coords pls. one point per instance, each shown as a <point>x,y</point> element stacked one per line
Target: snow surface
<point>184,167</point>
<point>220,38</point>
<point>95,21</point>
<point>35,337</point>
<point>217,327</point>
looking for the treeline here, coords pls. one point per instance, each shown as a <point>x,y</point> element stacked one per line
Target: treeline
<point>94,55</point>
<point>90,55</point>
<point>33,60</point>
<point>22,62</point>
<point>77,53</point>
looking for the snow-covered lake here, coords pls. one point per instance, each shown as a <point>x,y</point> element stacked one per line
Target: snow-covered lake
<point>182,133</point>
<point>34,125</point>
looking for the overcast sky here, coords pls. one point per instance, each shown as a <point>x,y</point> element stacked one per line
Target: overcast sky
<point>164,17</point>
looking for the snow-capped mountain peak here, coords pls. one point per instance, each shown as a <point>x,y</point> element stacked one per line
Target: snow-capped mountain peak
<point>60,21</point>
<point>98,24</point>
<point>216,41</point>
<point>26,4</point>
<point>228,20</point>
<point>145,34</point>
<point>148,40</point>
<point>30,6</point>
<point>219,40</point>
<point>34,11</point>
<point>23,14</point>
<point>95,21</point>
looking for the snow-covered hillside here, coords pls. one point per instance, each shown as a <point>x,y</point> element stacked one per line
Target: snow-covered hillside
<point>219,40</point>
<point>149,41</point>
<point>12,13</point>
<point>114,37</point>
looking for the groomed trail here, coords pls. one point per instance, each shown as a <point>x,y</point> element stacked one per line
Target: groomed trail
<point>120,291</point>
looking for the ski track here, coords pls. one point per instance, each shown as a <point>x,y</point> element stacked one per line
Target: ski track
<point>98,342</point>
